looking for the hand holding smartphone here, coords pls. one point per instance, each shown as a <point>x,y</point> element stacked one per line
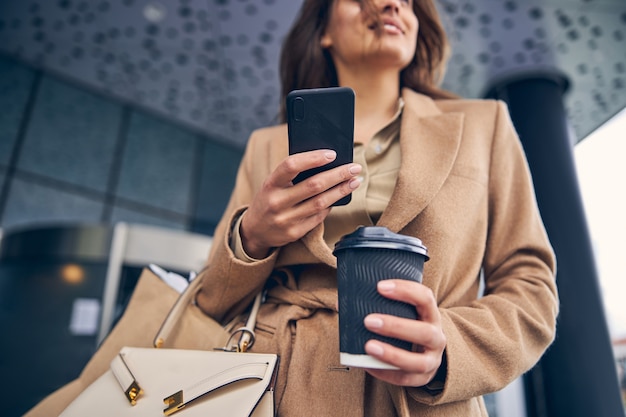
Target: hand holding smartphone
<point>322,118</point>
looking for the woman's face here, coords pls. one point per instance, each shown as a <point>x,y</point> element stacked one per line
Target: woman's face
<point>353,38</point>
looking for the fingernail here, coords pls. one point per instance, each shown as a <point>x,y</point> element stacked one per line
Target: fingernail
<point>355,169</point>
<point>330,155</point>
<point>375,349</point>
<point>386,286</point>
<point>373,322</point>
<point>355,183</point>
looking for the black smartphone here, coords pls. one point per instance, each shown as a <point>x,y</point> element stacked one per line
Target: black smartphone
<point>322,118</point>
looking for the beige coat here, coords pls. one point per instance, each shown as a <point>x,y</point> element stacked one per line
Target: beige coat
<point>464,189</point>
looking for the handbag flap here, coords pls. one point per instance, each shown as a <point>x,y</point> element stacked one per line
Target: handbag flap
<point>212,383</point>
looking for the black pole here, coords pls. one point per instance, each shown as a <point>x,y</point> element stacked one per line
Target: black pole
<point>577,376</point>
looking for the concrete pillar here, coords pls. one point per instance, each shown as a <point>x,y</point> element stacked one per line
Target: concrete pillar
<point>577,376</point>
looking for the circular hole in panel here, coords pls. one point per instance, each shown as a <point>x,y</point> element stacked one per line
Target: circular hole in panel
<point>540,33</point>
<point>519,58</point>
<point>64,4</point>
<point>38,22</point>
<point>209,45</point>
<point>171,33</point>
<point>185,12</point>
<point>271,25</point>
<point>152,29</point>
<point>74,20</point>
<point>104,7</point>
<point>99,38</point>
<point>529,44</point>
<point>462,22</point>
<point>266,38</point>
<point>583,21</point>
<point>189,27</point>
<point>225,40</point>
<point>155,54</point>
<point>247,71</point>
<point>188,44</point>
<point>510,6</point>
<point>242,39</point>
<point>573,35</point>
<point>564,20</point>
<point>597,31</point>
<point>77,52</point>
<point>182,59</point>
<point>450,8</point>
<point>508,23</point>
<point>469,8</point>
<point>536,13</point>
<point>485,19</point>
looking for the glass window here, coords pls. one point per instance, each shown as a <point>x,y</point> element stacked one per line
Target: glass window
<point>601,166</point>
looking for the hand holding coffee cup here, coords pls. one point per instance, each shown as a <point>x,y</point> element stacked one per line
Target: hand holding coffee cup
<point>365,257</point>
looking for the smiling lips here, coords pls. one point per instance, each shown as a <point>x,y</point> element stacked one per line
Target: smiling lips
<point>390,26</point>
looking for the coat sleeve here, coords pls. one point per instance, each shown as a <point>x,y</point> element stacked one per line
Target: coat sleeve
<point>229,283</point>
<point>496,338</point>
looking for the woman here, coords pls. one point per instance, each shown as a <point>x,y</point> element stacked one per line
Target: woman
<point>448,171</point>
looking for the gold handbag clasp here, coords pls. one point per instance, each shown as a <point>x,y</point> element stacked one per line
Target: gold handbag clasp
<point>174,403</point>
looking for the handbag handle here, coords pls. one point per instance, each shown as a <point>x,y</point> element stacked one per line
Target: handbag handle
<point>246,339</point>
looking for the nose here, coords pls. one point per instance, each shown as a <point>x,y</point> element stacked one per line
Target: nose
<point>390,6</point>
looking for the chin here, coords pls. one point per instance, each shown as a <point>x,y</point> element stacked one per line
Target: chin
<point>398,60</point>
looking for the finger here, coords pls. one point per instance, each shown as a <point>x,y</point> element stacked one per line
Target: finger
<point>414,369</point>
<point>425,334</point>
<point>291,166</point>
<point>325,198</point>
<point>323,189</point>
<point>399,378</point>
<point>413,293</point>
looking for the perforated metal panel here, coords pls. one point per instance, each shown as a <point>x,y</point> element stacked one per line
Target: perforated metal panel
<point>212,64</point>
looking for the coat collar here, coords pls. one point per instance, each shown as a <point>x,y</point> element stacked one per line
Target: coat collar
<point>429,143</point>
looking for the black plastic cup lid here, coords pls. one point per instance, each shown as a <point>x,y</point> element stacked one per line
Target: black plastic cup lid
<point>381,238</point>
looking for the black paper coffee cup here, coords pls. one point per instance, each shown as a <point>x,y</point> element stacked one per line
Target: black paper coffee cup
<point>364,257</point>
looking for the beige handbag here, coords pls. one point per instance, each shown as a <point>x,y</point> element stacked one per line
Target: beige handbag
<point>162,381</point>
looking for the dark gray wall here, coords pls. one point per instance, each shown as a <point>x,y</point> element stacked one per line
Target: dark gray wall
<point>70,155</point>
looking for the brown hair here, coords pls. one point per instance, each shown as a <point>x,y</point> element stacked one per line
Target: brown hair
<point>305,64</point>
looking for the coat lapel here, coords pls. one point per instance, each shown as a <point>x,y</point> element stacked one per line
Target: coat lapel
<point>429,141</point>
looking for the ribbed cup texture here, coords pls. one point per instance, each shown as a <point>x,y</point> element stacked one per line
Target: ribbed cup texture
<point>358,272</point>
